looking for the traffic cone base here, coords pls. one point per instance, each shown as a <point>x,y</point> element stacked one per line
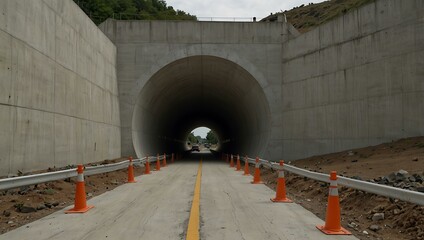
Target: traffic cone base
<point>82,210</point>
<point>286,200</point>
<point>341,231</point>
<point>257,182</point>
<point>131,181</point>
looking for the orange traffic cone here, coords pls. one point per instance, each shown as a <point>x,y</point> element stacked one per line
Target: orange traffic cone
<point>257,176</point>
<point>164,160</point>
<point>80,205</point>
<point>157,163</point>
<point>231,161</point>
<point>332,218</point>
<point>147,166</point>
<point>131,171</point>
<point>172,158</point>
<point>238,166</point>
<point>280,195</point>
<point>246,167</point>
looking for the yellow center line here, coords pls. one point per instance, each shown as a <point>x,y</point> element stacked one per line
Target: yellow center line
<point>193,222</point>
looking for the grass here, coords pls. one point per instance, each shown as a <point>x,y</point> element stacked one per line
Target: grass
<point>308,16</point>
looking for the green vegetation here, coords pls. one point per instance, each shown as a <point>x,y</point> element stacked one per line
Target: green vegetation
<point>211,137</point>
<point>192,139</point>
<point>309,16</point>
<point>100,10</point>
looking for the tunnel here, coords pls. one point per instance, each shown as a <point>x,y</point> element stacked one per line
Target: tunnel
<point>201,91</point>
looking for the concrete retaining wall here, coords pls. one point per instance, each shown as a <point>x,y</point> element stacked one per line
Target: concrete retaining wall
<point>58,90</point>
<point>355,81</point>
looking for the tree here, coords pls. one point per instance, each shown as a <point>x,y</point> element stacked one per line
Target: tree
<point>191,138</point>
<point>100,10</point>
<point>211,137</point>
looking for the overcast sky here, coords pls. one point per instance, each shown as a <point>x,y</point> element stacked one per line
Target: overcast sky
<point>201,131</point>
<point>235,8</point>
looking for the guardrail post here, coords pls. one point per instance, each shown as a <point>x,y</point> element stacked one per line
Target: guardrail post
<point>80,205</point>
<point>131,171</point>
<point>280,195</point>
<point>332,218</point>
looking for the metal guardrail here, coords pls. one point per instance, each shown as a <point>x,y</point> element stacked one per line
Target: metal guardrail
<point>15,182</point>
<point>383,190</point>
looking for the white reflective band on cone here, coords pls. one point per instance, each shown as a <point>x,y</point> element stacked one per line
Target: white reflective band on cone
<point>333,183</point>
<point>333,192</point>
<point>80,177</point>
<point>257,165</point>
<point>281,174</point>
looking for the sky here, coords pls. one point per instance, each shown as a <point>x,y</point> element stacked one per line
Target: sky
<point>235,8</point>
<point>201,131</point>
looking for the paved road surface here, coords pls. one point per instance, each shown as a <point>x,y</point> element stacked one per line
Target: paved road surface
<point>158,207</point>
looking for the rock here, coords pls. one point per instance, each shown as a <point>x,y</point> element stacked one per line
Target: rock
<point>350,153</point>
<point>412,179</point>
<point>378,216</point>
<point>354,160</point>
<point>352,225</point>
<point>401,175</point>
<point>420,189</point>
<point>396,211</point>
<point>55,204</point>
<point>6,213</point>
<point>357,177</point>
<point>41,207</point>
<point>415,159</point>
<point>26,209</point>
<point>47,204</point>
<point>391,177</point>
<point>365,232</point>
<point>374,228</point>
<point>10,222</point>
<point>89,194</point>
<point>24,190</point>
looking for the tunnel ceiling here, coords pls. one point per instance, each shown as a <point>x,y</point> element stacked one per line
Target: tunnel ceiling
<point>200,91</point>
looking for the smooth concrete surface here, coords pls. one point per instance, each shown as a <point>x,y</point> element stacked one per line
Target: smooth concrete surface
<point>233,208</point>
<point>175,76</point>
<point>355,81</point>
<point>158,207</point>
<point>58,90</point>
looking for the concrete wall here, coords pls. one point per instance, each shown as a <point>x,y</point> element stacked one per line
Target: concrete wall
<point>58,89</point>
<point>146,47</point>
<point>355,81</point>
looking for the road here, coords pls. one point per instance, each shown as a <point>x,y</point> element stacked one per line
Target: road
<point>158,207</point>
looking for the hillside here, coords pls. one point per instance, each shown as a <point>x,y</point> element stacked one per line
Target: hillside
<point>307,16</point>
<point>100,10</point>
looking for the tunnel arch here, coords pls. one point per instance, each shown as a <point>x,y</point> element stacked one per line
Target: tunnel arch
<point>201,90</point>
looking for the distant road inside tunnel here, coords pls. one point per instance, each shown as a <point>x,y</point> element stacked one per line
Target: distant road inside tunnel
<point>159,206</point>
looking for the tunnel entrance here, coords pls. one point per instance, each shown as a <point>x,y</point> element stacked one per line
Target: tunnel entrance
<point>201,91</point>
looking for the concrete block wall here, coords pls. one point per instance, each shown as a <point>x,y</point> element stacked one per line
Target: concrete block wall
<point>355,81</point>
<point>58,90</point>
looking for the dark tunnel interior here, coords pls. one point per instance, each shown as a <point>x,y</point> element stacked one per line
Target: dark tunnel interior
<point>201,91</point>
